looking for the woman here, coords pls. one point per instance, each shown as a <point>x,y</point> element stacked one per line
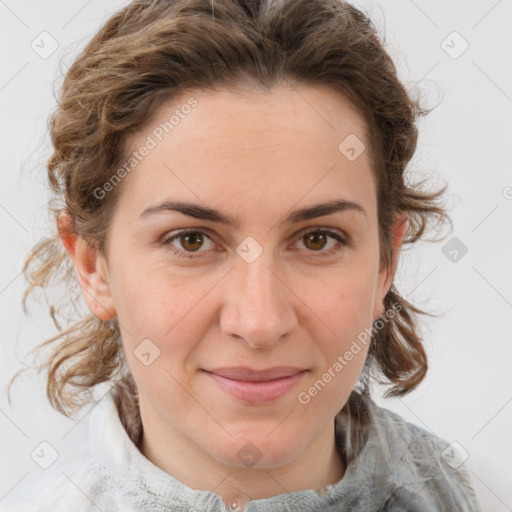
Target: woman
<point>233,208</point>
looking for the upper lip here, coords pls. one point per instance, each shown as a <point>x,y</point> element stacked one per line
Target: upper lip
<point>256,375</point>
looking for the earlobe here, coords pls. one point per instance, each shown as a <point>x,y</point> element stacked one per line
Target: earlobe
<point>91,271</point>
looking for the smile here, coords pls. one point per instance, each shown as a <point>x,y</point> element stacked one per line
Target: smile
<point>256,386</point>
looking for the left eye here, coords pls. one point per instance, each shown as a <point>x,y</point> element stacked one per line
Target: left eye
<point>318,239</point>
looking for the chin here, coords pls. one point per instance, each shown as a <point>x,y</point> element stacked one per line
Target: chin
<point>256,452</point>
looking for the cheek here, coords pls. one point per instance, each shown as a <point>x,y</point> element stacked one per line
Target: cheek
<point>343,320</point>
<point>152,302</point>
<point>344,302</point>
<point>160,332</point>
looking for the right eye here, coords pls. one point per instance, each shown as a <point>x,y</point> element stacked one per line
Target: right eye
<point>191,241</point>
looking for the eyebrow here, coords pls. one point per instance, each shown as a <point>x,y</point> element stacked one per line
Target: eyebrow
<point>205,213</point>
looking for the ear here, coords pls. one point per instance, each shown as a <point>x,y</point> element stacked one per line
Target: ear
<point>91,270</point>
<point>386,275</point>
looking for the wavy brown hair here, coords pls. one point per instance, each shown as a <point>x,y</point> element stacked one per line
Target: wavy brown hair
<point>148,53</point>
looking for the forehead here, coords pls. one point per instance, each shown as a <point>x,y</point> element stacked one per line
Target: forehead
<point>318,110</point>
<point>221,146</point>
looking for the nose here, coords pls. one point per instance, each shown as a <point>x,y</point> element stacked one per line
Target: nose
<point>258,307</point>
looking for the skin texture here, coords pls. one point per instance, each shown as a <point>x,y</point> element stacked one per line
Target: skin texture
<point>255,157</point>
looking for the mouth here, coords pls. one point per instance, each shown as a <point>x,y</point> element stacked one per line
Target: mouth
<point>256,385</point>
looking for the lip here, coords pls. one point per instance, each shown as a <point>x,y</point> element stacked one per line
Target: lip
<point>245,373</point>
<point>256,385</point>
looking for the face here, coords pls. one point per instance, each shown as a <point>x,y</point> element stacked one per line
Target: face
<point>266,277</point>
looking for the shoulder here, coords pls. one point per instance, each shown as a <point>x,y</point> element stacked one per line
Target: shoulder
<point>78,479</point>
<point>77,485</point>
<point>424,467</point>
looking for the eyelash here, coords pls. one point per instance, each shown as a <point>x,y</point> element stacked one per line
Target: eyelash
<point>190,255</point>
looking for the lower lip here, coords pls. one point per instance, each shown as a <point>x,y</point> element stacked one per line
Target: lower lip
<point>257,392</point>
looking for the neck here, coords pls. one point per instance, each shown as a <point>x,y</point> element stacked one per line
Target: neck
<point>318,466</point>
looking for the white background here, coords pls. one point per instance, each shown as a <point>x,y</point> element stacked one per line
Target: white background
<point>466,141</point>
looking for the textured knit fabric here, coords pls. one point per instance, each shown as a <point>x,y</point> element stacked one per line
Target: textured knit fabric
<point>401,468</point>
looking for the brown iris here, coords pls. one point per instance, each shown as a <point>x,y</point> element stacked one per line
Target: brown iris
<point>192,241</point>
<point>315,241</point>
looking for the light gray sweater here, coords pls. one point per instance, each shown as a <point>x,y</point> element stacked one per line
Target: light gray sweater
<point>400,468</point>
